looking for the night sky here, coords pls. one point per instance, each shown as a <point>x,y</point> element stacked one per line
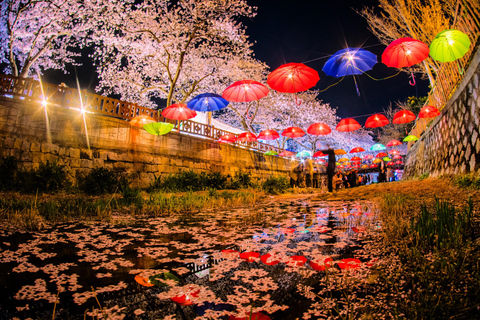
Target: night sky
<point>309,31</point>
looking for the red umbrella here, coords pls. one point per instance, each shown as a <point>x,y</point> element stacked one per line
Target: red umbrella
<point>377,120</point>
<point>405,52</point>
<point>373,166</point>
<point>403,116</point>
<point>428,112</point>
<point>356,159</point>
<point>255,316</point>
<point>321,265</point>
<point>393,151</point>
<point>319,154</point>
<point>244,91</point>
<point>349,263</point>
<point>269,259</point>
<point>178,111</point>
<point>347,125</point>
<point>393,143</point>
<point>321,161</point>
<point>398,162</point>
<point>357,149</point>
<point>228,137</point>
<point>268,135</point>
<point>185,299</point>
<point>319,129</point>
<point>293,132</point>
<point>249,256</point>
<point>287,153</point>
<point>296,261</point>
<point>246,136</point>
<point>397,156</point>
<point>390,163</point>
<point>381,155</point>
<point>292,77</point>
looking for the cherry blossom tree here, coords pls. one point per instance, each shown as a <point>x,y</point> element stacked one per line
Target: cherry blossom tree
<point>164,49</point>
<point>43,34</point>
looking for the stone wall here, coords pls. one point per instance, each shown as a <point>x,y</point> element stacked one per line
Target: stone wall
<point>113,143</point>
<point>451,143</point>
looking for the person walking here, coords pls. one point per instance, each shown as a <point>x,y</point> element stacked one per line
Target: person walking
<point>330,167</point>
<point>382,171</point>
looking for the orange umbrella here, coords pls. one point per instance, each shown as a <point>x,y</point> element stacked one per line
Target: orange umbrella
<point>347,125</point>
<point>140,121</point>
<point>339,151</point>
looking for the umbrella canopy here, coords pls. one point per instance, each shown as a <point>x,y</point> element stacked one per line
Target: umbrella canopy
<point>158,128</point>
<point>320,161</point>
<point>377,160</point>
<point>390,163</point>
<point>386,159</point>
<point>377,147</point>
<point>381,155</point>
<point>244,91</point>
<point>339,151</point>
<point>140,121</point>
<point>398,162</point>
<point>449,45</point>
<point>268,135</point>
<point>303,154</point>
<point>319,129</point>
<point>347,125</point>
<point>271,153</point>
<point>246,136</point>
<point>293,132</point>
<point>286,153</point>
<point>357,149</point>
<point>349,61</point>
<point>393,143</point>
<point>343,159</point>
<point>228,137</point>
<point>428,112</point>
<point>373,165</point>
<point>365,166</point>
<point>397,156</point>
<point>368,157</point>
<point>405,52</point>
<point>319,154</point>
<point>410,138</point>
<point>207,102</point>
<point>178,111</point>
<point>377,120</point>
<point>393,151</point>
<point>292,77</point>
<point>356,159</point>
<point>403,116</point>
<point>255,316</point>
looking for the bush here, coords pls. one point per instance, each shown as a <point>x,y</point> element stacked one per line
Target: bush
<point>214,180</point>
<point>50,176</point>
<point>275,185</point>
<point>190,181</point>
<point>101,181</point>
<point>241,180</point>
<point>467,181</point>
<point>8,167</point>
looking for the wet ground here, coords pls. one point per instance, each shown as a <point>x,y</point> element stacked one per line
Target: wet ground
<point>92,267</point>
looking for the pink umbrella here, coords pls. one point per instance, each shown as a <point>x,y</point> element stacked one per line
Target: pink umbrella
<point>293,132</point>
<point>287,153</point>
<point>347,125</point>
<point>393,143</point>
<point>178,111</point>
<point>268,135</point>
<point>244,91</point>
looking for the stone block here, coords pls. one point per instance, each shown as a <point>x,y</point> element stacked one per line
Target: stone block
<point>125,157</point>
<point>98,163</point>
<point>86,163</point>
<point>111,156</point>
<point>123,165</point>
<point>9,142</point>
<point>26,146</point>
<point>137,166</point>
<point>74,153</point>
<point>38,157</point>
<point>62,151</point>
<point>17,145</point>
<point>50,157</point>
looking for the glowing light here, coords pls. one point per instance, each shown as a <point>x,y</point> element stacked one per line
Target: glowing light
<point>451,42</point>
<point>408,52</point>
<point>290,75</point>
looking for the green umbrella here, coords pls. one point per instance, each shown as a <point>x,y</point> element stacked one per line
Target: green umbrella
<point>271,153</point>
<point>410,138</point>
<point>449,45</point>
<point>386,159</point>
<point>303,154</point>
<point>378,146</point>
<point>158,128</point>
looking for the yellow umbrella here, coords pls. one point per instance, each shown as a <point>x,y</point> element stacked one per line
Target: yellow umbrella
<point>377,160</point>
<point>339,151</point>
<point>365,166</point>
<point>342,159</point>
<point>347,163</point>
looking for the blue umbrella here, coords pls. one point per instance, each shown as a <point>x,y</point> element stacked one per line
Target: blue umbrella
<point>207,102</point>
<point>349,62</point>
<point>303,154</point>
<point>377,147</point>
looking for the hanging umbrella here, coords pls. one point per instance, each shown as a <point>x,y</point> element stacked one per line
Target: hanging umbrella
<point>449,45</point>
<point>349,61</point>
<point>377,120</point>
<point>393,143</point>
<point>356,159</point>
<point>393,151</point>
<point>428,112</point>
<point>303,154</point>
<point>374,165</point>
<point>228,137</point>
<point>349,263</point>
<point>397,156</point>
<point>347,125</point>
<point>343,159</point>
<point>368,157</point>
<point>321,265</point>
<point>140,121</point>
<point>404,52</point>
<point>270,259</point>
<point>158,128</point>
<point>398,162</point>
<point>319,154</point>
<point>207,102</point>
<point>377,160</point>
<point>178,111</point>
<point>296,261</point>
<point>410,138</point>
<point>357,149</point>
<point>268,135</point>
<point>347,164</point>
<point>320,161</point>
<point>377,147</point>
<point>249,256</point>
<point>293,132</point>
<point>386,159</point>
<point>244,91</point>
<point>286,153</point>
<point>390,163</point>
<point>365,166</point>
<point>247,137</point>
<point>403,116</point>
<point>318,129</point>
<point>339,151</point>
<point>381,155</point>
<point>292,78</point>
<point>271,153</point>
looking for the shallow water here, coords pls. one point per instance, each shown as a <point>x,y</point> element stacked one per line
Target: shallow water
<point>71,259</point>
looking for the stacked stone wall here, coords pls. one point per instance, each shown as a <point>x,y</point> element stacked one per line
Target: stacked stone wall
<point>113,143</point>
<point>451,143</point>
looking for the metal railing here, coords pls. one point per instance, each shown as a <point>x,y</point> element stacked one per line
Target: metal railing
<point>60,96</point>
<point>450,74</point>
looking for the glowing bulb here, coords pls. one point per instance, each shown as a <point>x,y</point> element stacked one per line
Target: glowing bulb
<point>451,42</point>
<point>408,52</point>
<point>290,75</point>
<point>44,103</point>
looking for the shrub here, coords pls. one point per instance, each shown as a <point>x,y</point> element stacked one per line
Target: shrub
<point>241,180</point>
<point>275,185</point>
<point>102,180</point>
<point>8,167</point>
<point>50,176</point>
<point>190,181</point>
<point>214,180</point>
<point>467,181</point>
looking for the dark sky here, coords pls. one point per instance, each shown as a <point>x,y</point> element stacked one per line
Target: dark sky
<point>309,31</point>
